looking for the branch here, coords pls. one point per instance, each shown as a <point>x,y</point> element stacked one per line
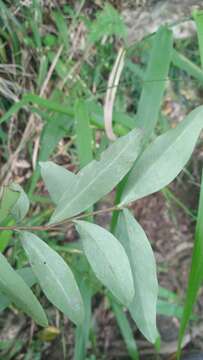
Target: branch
<point>58,225</point>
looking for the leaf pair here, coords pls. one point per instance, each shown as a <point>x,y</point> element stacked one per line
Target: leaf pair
<point>56,278</point>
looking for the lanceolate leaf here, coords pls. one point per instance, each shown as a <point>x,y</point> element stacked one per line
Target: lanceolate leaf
<point>8,199</point>
<point>57,179</point>
<point>21,207</point>
<point>140,254</point>
<point>14,287</point>
<point>99,177</point>
<point>55,277</point>
<point>108,260</point>
<point>164,158</point>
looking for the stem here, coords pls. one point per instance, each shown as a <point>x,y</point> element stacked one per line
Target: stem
<point>59,224</point>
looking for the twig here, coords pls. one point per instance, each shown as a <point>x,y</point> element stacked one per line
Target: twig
<point>58,225</point>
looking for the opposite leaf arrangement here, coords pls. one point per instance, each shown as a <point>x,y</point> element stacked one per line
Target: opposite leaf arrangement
<point>123,262</point>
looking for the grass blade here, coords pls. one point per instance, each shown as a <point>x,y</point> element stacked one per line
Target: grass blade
<point>84,136</point>
<point>152,92</point>
<point>185,64</point>
<point>125,329</point>
<point>82,332</point>
<point>198,17</point>
<point>196,271</point>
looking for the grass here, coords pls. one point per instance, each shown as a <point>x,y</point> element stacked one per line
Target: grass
<point>51,107</point>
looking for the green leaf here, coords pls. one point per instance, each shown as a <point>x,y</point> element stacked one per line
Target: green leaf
<point>140,254</point>
<point>29,278</point>
<point>55,277</point>
<point>125,329</point>
<point>8,199</point>
<point>6,236</point>
<point>99,177</point>
<point>169,309</point>
<point>164,158</point>
<point>82,332</point>
<point>198,17</point>
<point>22,205</point>
<point>57,179</point>
<point>13,286</point>
<point>107,259</point>
<point>84,138</point>
<point>62,28</point>
<point>187,65</point>
<point>153,89</point>
<point>196,272</point>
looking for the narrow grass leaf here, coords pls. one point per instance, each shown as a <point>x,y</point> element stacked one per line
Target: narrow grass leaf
<point>153,89</point>
<point>84,136</point>
<point>188,66</point>
<point>57,179</point>
<point>125,329</point>
<point>62,28</point>
<point>164,158</point>
<point>13,286</point>
<point>54,276</point>
<point>143,266</point>
<point>82,331</point>
<point>198,17</point>
<point>108,260</point>
<point>52,105</point>
<point>169,309</point>
<point>196,272</point>
<point>99,177</point>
